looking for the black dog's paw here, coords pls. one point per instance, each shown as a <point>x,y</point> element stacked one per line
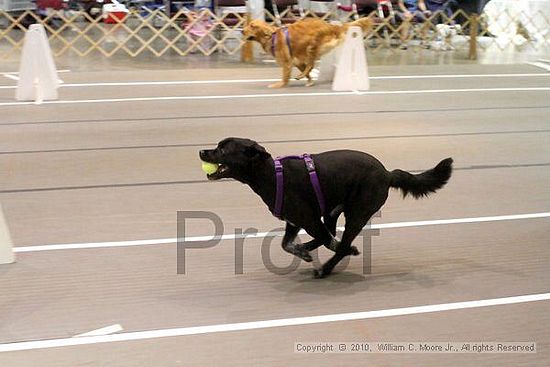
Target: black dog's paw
<point>354,251</point>
<point>302,253</point>
<point>318,273</point>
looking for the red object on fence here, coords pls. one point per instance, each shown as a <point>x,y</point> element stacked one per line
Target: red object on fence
<point>114,12</point>
<point>115,17</point>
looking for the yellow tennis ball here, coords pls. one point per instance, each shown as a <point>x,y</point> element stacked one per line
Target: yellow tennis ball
<point>209,168</point>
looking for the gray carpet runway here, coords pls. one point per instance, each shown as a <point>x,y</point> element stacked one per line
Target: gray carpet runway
<point>112,170</point>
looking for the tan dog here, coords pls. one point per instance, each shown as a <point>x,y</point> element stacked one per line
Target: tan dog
<point>301,43</point>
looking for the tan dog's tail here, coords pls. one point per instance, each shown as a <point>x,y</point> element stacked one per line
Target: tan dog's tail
<point>364,23</point>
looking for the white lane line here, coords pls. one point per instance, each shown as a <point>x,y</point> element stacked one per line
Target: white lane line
<point>279,95</point>
<point>103,331</point>
<point>12,77</point>
<point>459,76</point>
<point>540,65</point>
<point>72,246</point>
<point>265,324</point>
<point>175,82</point>
<point>241,81</point>
<point>17,73</point>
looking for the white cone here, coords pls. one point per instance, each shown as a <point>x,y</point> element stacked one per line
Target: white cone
<point>37,73</point>
<point>6,246</point>
<point>351,69</point>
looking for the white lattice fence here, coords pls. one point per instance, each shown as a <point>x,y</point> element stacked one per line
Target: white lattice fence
<point>204,32</point>
<point>155,33</point>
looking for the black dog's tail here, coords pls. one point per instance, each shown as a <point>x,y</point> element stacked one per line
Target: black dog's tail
<point>423,183</point>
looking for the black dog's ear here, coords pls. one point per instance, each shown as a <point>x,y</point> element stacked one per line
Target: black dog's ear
<point>256,151</point>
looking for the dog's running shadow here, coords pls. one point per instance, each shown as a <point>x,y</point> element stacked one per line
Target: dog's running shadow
<point>348,282</point>
<point>397,278</point>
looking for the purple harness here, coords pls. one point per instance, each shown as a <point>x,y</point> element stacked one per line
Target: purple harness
<point>278,209</point>
<point>274,38</point>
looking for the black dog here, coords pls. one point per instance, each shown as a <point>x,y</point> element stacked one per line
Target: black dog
<point>352,182</point>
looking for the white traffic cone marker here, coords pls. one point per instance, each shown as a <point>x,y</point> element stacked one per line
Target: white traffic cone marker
<point>37,73</point>
<point>6,246</point>
<point>351,69</point>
